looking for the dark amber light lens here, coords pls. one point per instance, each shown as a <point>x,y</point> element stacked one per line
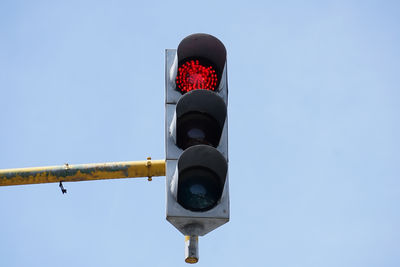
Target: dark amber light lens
<point>193,75</point>
<point>197,128</point>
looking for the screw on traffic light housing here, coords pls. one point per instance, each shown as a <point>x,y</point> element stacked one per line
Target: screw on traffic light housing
<point>196,134</point>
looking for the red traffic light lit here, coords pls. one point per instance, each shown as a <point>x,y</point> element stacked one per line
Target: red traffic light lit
<point>193,75</point>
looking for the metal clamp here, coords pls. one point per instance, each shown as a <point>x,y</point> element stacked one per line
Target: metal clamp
<point>148,165</point>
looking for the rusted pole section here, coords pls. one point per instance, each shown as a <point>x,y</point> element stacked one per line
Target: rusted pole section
<point>82,172</point>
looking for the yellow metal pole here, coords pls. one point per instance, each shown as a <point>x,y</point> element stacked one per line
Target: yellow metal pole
<point>83,172</point>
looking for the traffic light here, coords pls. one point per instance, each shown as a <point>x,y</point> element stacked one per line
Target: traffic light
<point>196,134</point>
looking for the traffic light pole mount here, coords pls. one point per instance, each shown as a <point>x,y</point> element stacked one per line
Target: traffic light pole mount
<point>191,249</point>
<point>82,172</point>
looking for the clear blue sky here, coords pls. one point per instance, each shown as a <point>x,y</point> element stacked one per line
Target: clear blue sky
<point>314,126</point>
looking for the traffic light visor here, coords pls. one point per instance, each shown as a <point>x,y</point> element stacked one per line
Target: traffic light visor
<point>202,173</point>
<point>201,62</point>
<point>201,116</point>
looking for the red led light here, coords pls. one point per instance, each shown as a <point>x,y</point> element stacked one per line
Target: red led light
<point>192,75</point>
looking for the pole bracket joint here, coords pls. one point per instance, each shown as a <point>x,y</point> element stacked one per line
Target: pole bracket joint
<point>148,165</point>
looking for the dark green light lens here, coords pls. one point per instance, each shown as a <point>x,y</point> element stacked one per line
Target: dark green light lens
<point>199,189</point>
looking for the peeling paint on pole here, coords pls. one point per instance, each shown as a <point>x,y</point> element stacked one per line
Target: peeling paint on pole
<point>82,172</point>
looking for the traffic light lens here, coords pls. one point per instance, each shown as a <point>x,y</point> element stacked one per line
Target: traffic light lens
<point>197,128</point>
<point>193,75</point>
<point>199,189</point>
<point>196,133</point>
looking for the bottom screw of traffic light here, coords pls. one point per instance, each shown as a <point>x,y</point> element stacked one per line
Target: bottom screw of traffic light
<point>191,248</point>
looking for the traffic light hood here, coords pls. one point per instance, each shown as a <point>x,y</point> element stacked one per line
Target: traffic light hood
<point>203,46</point>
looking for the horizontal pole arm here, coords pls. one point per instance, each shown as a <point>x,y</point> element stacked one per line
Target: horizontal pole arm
<point>82,172</point>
